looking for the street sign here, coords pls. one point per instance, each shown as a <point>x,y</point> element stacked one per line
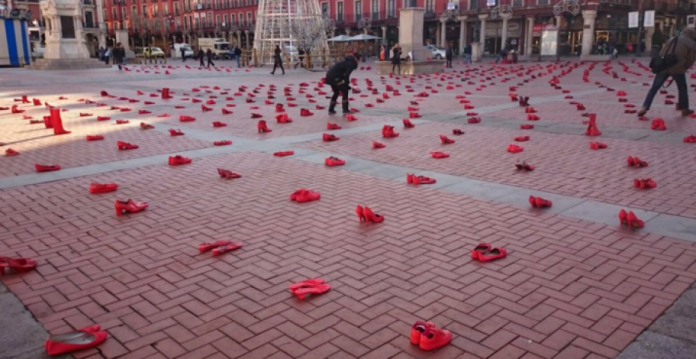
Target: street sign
<point>633,19</point>
<point>649,20</point>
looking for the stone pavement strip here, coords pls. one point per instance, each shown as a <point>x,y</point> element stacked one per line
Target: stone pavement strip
<point>574,284</point>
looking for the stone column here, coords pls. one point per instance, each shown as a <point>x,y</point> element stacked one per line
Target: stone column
<point>246,34</point>
<point>503,36</point>
<point>558,22</point>
<point>462,33</point>
<point>588,17</point>
<point>443,33</point>
<point>384,34</point>
<point>239,38</point>
<point>100,23</point>
<point>477,49</point>
<point>649,31</point>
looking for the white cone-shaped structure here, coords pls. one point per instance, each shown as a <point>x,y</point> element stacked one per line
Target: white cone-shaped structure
<point>290,24</point>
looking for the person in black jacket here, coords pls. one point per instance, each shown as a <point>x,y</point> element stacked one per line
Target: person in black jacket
<point>201,56</point>
<point>119,54</point>
<point>396,58</point>
<point>209,55</point>
<point>238,55</point>
<point>449,54</point>
<point>338,77</point>
<point>277,60</point>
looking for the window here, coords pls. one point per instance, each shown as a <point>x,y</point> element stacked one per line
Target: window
<point>325,9</point>
<point>358,10</point>
<point>176,8</point>
<point>375,9</point>
<point>429,6</point>
<point>224,20</point>
<point>517,3</point>
<point>250,19</point>
<point>543,2</point>
<point>166,9</point>
<point>339,11</point>
<point>89,19</point>
<point>114,15</point>
<point>210,19</point>
<point>473,5</point>
<point>391,9</point>
<point>241,19</point>
<point>155,10</point>
<point>144,13</point>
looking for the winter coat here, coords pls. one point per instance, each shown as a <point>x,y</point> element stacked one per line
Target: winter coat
<point>119,54</point>
<point>685,51</point>
<point>340,72</point>
<point>396,57</point>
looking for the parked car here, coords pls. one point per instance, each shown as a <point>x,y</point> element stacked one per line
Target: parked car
<point>438,53</point>
<point>153,52</point>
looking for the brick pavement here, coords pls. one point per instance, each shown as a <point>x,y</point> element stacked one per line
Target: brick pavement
<point>569,288</point>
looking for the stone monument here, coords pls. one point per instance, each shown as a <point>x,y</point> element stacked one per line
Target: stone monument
<point>65,40</point>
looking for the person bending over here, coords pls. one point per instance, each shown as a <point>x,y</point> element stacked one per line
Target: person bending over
<point>338,77</point>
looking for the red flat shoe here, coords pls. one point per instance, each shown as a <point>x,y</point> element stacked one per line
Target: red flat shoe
<point>473,120</point>
<point>82,114</point>
<point>306,284</point>
<point>417,331</point>
<point>351,118</point>
<point>217,124</point>
<point>522,138</point>
<point>303,195</point>
<point>408,123</point>
<point>418,180</point>
<point>690,139</point>
<point>445,140</point>
<point>304,112</point>
<point>227,174</point>
<point>481,248</point>
<point>329,138</point>
<point>74,341</point>
<point>538,202</point>
<point>283,153</point>
<point>122,146</point>
<point>178,160</point>
<point>388,132</point>
<point>144,112</point>
<point>184,118</point>
<point>222,143</point>
<point>439,155</point>
<point>129,206</point>
<point>10,152</point>
<point>434,338</point>
<point>46,168</point>
<point>204,108</point>
<point>226,248</point>
<point>177,132</point>
<point>9,265</point>
<point>145,126</point>
<point>122,122</point>
<point>226,111</point>
<point>332,126</point>
<point>371,216</point>
<point>283,118</point>
<point>262,127</point>
<point>533,117</point>
<point>103,118</point>
<point>316,289</point>
<point>95,188</point>
<point>334,161</point>
<point>512,148</point>
<point>526,127</point>
<point>493,254</point>
<point>457,132</point>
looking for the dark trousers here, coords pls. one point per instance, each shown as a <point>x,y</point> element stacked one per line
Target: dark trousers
<point>449,62</point>
<point>343,90</point>
<point>395,66</point>
<point>278,63</point>
<point>202,62</point>
<point>660,80</point>
<point>210,62</point>
<point>183,57</point>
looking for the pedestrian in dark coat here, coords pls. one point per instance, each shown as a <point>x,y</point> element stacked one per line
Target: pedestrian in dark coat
<point>338,77</point>
<point>277,60</point>
<point>396,58</point>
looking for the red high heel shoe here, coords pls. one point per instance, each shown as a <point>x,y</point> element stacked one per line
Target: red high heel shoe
<point>144,112</point>
<point>226,111</point>
<point>222,143</point>
<point>204,247</point>
<point>533,117</point>
<point>351,118</point>
<point>332,126</point>
<point>690,139</point>
<point>522,138</point>
<point>526,127</point>
<point>103,118</point>
<point>145,126</point>
<point>493,254</point>
<point>538,202</point>
<point>457,132</point>
<point>361,213</point>
<point>262,127</point>
<point>439,154</point>
<point>418,180</point>
<point>633,221</point>
<point>179,160</point>
<point>334,161</point>
<point>229,247</point>
<point>592,129</point>
<point>524,167</point>
<point>227,174</point>
<point>74,341</point>
<point>408,123</point>
<point>434,338</point>
<point>329,138</point>
<point>122,122</point>
<point>57,122</point>
<point>371,216</point>
<point>303,195</point>
<point>218,124</point>
<point>307,289</point>
<point>8,265</point>
<point>46,168</point>
<point>204,108</point>
<point>623,217</point>
<point>417,331</point>
<point>184,118</point>
<point>283,153</point>
<point>445,140</point>
<point>473,120</point>
<point>177,132</point>
<point>305,112</point>
<point>128,206</point>
<point>10,152</point>
<point>122,146</point>
<point>512,148</point>
<point>658,124</point>
<point>481,248</point>
<point>96,188</point>
<point>378,145</point>
<point>283,118</point>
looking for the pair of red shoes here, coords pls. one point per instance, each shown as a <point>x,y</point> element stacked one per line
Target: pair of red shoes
<point>365,214</point>
<point>630,219</point>
<point>526,127</point>
<point>305,112</point>
<point>413,179</point>
<point>262,127</point>
<point>645,183</point>
<point>219,247</point>
<point>484,252</point>
<point>522,138</point>
<point>592,129</point>
<point>179,160</point>
<point>96,188</point>
<point>329,138</point>
<point>513,148</point>
<point>597,145</point>
<point>473,120</point>
<point>351,118</point>
<point>122,146</point>
<point>304,195</point>
<point>388,132</point>
<point>658,124</point>
<point>308,287</point>
<point>457,132</point>
<point>530,110</point>
<point>218,124</point>
<point>283,153</point>
<point>334,161</point>
<point>634,161</point>
<point>524,167</point>
<point>227,174</point>
<point>9,265</point>
<point>177,132</point>
<point>222,143</point>
<point>428,337</point>
<point>533,117</point>
<point>184,118</point>
<point>439,154</point>
<point>81,339</point>
<point>122,122</point>
<point>690,139</point>
<point>538,202</point>
<point>445,140</point>
<point>10,152</point>
<point>129,206</point>
<point>283,118</point>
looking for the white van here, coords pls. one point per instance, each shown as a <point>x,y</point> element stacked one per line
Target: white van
<point>187,50</point>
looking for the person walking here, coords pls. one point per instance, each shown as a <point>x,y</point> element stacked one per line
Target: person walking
<point>467,54</point>
<point>277,60</point>
<point>338,77</point>
<point>396,58</point>
<point>449,54</point>
<point>209,55</point>
<point>201,57</point>
<point>183,53</point>
<point>102,52</point>
<point>238,55</point>
<point>119,54</point>
<point>683,47</point>
<point>301,55</point>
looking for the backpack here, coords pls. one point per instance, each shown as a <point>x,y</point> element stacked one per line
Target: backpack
<point>666,61</point>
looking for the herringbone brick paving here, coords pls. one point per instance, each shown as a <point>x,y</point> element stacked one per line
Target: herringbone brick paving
<point>568,289</point>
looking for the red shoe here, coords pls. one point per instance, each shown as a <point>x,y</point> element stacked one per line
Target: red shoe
<point>206,109</point>
<point>533,117</point>
<point>332,126</point>
<point>46,168</point>
<point>538,202</point>
<point>434,338</point>
<point>226,111</point>
<point>329,138</point>
<point>227,174</point>
<point>457,132</point>
<point>623,217</point>
<point>473,120</point>
<point>8,264</point>
<point>204,247</point>
<point>129,206</point>
<point>371,216</point>
<point>283,153</point>
<point>306,284</point>
<point>283,118</point>
<point>174,132</point>
<point>636,162</point>
<point>262,127</point>
<point>445,140</point>
<point>74,341</point>
<point>305,112</point>
<point>493,254</point>
<point>592,129</point>
<point>145,126</point>
<point>334,161</point>
<point>184,118</point>
<point>422,180</point>
<point>522,138</point>
<point>222,143</point>
<point>226,248</point>
<point>304,195</point>
<point>144,112</point>
<point>388,132</point>
<point>219,124</point>
<point>633,221</point>
<point>361,213</point>
<point>315,289</point>
<point>122,146</point>
<point>512,148</point>
<point>690,139</point>
<point>377,145</point>
<point>10,152</point>
<point>439,155</point>
<point>179,160</point>
<point>530,110</point>
<point>82,114</point>
<point>644,183</point>
<point>408,123</point>
<point>658,124</point>
<point>481,248</point>
<point>526,127</point>
<point>103,118</point>
<point>96,188</point>
<point>417,331</point>
<point>122,122</point>
<point>524,167</point>
<point>351,118</point>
